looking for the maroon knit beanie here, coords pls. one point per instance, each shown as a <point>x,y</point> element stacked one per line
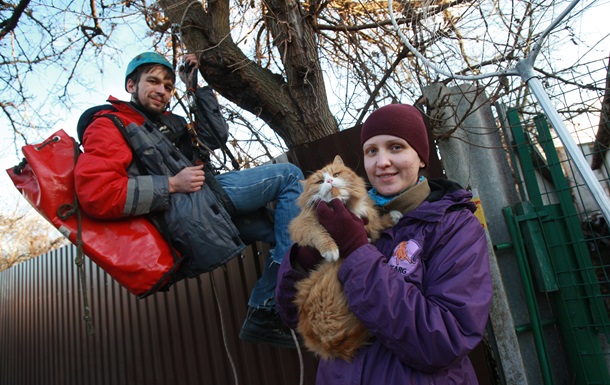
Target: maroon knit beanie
<point>401,120</point>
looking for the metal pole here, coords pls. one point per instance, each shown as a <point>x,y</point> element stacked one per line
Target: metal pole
<point>530,297</point>
<point>524,67</point>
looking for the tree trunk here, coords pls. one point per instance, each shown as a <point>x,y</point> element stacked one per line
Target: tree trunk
<point>295,107</point>
<point>602,138</point>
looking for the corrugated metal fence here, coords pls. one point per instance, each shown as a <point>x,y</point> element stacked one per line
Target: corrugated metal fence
<point>188,335</point>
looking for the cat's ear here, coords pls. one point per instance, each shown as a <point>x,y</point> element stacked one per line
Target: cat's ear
<point>338,160</point>
<point>308,175</point>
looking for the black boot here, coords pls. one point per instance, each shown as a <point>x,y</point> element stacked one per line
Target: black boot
<point>266,326</point>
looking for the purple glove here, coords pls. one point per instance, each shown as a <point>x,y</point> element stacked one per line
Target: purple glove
<point>346,228</point>
<point>307,257</point>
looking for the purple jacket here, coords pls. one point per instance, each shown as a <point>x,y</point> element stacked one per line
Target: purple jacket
<point>424,291</point>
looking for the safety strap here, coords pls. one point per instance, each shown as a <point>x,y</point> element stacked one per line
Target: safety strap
<point>210,177</point>
<point>64,212</point>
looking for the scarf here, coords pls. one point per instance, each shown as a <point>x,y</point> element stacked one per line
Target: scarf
<point>405,201</point>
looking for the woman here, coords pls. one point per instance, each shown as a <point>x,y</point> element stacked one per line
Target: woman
<point>424,288</point>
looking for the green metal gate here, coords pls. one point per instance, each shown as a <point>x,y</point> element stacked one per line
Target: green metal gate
<point>557,258</point>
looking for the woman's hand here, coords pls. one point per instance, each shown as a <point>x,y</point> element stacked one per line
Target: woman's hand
<point>346,228</point>
<point>307,257</point>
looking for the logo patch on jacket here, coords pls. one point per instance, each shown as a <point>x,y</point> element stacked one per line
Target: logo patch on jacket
<point>405,257</point>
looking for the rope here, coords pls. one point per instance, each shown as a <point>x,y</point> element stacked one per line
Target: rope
<point>188,7</point>
<point>222,328</point>
<point>82,278</point>
<point>301,366</point>
<point>185,12</point>
<point>54,139</point>
<point>64,212</point>
<point>224,338</point>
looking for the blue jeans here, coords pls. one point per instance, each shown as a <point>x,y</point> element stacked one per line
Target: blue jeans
<point>254,188</point>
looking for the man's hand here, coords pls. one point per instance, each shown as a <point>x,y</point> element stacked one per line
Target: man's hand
<point>191,60</point>
<point>346,228</point>
<point>188,70</point>
<point>189,179</point>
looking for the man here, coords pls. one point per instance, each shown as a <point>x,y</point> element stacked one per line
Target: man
<point>168,187</point>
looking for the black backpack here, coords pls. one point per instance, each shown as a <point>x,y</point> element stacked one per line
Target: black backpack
<point>210,125</point>
<point>212,128</point>
<point>87,117</point>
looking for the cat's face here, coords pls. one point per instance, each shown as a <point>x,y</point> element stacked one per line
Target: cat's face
<point>333,181</point>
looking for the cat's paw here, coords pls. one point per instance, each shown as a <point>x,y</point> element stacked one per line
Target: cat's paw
<point>331,255</point>
<point>396,215</point>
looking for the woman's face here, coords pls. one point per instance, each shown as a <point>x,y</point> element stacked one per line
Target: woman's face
<point>391,164</point>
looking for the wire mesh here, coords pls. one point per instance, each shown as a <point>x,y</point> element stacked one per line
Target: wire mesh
<point>576,236</point>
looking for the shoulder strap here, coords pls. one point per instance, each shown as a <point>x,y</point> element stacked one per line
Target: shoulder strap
<point>121,127</point>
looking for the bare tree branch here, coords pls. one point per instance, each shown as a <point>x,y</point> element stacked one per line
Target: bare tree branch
<point>8,25</point>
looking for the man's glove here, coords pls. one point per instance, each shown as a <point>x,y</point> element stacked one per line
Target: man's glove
<point>346,228</point>
<point>307,257</point>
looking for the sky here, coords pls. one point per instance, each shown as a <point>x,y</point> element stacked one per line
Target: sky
<point>111,83</point>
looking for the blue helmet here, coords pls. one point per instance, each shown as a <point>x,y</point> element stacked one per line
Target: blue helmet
<point>146,58</point>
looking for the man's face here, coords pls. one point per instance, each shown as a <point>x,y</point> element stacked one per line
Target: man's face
<point>154,89</point>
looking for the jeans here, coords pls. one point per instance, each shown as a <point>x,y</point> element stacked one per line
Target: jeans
<point>254,188</point>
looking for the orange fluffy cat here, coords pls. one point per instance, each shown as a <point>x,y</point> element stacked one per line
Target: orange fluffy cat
<point>328,327</point>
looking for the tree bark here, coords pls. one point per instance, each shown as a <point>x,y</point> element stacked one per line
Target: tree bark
<point>602,138</point>
<point>295,107</point>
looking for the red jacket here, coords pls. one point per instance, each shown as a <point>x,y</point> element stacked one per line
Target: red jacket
<point>107,183</point>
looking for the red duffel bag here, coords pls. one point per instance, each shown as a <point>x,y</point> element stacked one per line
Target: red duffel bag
<point>132,251</point>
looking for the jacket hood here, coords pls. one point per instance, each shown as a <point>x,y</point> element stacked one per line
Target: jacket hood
<point>445,195</point>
